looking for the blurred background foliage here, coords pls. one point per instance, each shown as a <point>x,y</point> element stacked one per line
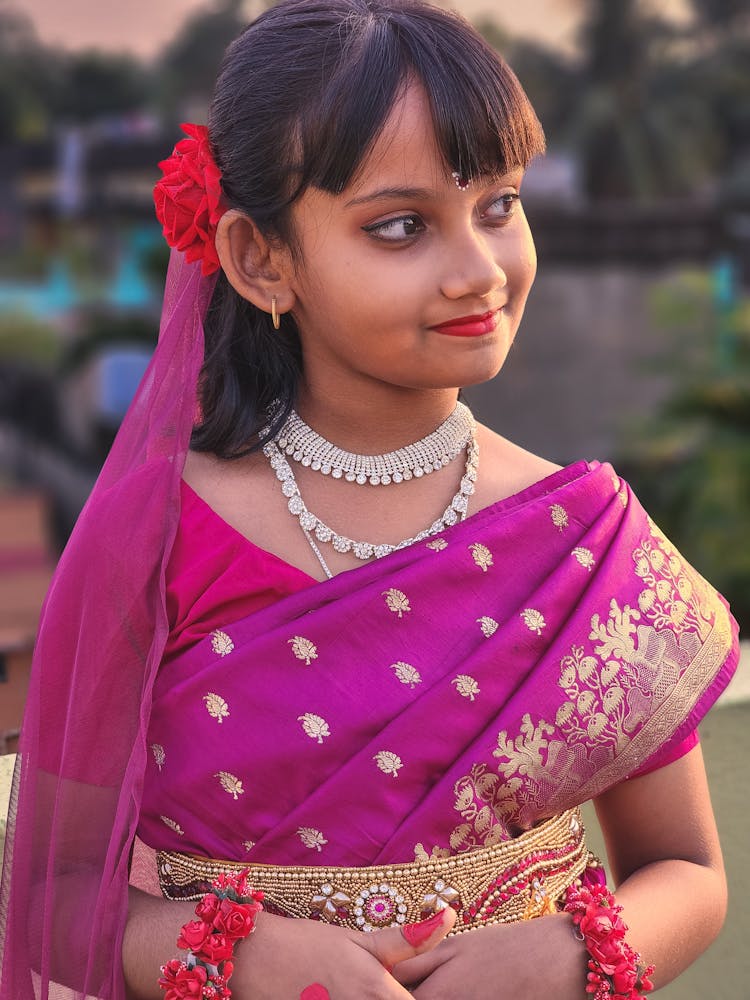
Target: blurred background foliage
<point>647,112</point>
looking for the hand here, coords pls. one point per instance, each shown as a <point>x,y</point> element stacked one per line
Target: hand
<point>283,957</point>
<point>533,959</point>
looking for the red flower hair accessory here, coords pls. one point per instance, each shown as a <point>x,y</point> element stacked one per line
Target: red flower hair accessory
<point>615,971</point>
<point>189,200</point>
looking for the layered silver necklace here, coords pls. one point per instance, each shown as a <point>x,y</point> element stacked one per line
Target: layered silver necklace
<point>421,458</point>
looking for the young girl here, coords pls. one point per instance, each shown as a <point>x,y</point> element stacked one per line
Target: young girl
<point>318,630</point>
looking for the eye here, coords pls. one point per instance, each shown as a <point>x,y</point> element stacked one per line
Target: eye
<point>404,227</point>
<point>502,208</point>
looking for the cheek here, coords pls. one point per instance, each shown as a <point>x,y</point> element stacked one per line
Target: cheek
<point>523,270</point>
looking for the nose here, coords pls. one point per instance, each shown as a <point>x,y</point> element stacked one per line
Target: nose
<point>471,269</point>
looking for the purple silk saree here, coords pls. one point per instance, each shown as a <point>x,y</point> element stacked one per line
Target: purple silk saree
<point>444,698</point>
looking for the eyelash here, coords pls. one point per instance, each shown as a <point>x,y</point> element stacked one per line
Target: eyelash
<point>376,229</point>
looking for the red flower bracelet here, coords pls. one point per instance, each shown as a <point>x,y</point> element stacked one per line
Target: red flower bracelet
<point>224,918</point>
<point>615,971</point>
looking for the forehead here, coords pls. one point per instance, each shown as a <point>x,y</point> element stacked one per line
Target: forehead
<point>406,150</point>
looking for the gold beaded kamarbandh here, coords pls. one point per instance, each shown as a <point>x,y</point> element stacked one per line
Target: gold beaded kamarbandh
<point>515,880</point>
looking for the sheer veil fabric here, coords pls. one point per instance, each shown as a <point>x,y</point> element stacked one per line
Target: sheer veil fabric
<point>79,774</point>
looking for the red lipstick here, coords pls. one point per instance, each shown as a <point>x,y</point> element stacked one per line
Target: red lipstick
<point>469,326</point>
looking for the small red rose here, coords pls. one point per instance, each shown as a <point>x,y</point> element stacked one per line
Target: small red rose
<point>236,920</point>
<point>207,909</point>
<point>216,948</point>
<point>193,935</point>
<point>181,983</point>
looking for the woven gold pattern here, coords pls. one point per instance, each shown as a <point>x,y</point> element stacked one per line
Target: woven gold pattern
<point>515,880</point>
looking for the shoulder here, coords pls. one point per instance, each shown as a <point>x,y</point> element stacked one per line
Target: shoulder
<point>506,468</point>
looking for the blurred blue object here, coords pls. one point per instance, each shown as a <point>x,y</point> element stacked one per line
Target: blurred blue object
<point>120,372</point>
<point>44,300</point>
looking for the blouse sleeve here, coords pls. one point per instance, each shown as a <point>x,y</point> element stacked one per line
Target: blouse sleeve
<point>669,753</point>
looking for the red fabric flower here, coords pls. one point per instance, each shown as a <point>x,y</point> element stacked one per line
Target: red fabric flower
<point>188,198</point>
<point>193,935</point>
<point>236,920</point>
<point>181,983</point>
<point>207,908</point>
<point>216,948</point>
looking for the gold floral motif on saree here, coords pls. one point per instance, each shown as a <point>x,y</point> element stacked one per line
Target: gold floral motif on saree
<point>230,783</point>
<point>625,688</point>
<point>173,825</point>
<point>481,556</point>
<point>406,673</point>
<point>315,726</point>
<point>159,755</point>
<point>312,838</point>
<point>584,556</point>
<point>388,762</point>
<point>396,601</point>
<point>559,516</point>
<point>221,643</point>
<point>216,706</point>
<point>303,649</point>
<point>488,626</point>
<point>533,620</point>
<point>466,686</point>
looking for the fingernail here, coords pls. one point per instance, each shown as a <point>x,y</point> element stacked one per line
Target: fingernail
<point>417,934</point>
<point>314,992</point>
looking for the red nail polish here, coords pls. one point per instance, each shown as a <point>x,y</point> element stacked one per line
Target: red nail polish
<point>314,992</point>
<point>417,934</point>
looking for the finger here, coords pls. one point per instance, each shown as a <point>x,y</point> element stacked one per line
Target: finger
<point>414,970</point>
<point>397,944</point>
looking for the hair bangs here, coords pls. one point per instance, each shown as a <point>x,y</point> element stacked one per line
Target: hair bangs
<point>484,123</point>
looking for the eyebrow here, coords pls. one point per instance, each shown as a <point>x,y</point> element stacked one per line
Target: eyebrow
<point>412,193</point>
<point>407,193</point>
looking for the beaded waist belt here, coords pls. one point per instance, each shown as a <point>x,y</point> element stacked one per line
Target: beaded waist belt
<point>514,880</point>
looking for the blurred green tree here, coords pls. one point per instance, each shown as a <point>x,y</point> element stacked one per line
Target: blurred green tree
<point>640,125</point>
<point>28,78</point>
<point>97,84</point>
<point>189,65</point>
<point>690,461</point>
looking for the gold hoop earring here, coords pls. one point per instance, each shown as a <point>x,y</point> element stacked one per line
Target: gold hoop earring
<point>275,318</point>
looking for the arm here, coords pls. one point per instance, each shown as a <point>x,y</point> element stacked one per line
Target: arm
<point>665,858</point>
<point>666,862</point>
<point>279,959</point>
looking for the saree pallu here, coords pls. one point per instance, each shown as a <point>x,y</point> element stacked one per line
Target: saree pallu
<point>444,699</point>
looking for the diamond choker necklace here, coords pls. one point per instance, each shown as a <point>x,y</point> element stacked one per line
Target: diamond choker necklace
<point>301,443</point>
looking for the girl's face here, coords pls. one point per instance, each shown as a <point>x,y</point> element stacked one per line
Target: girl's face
<point>402,252</point>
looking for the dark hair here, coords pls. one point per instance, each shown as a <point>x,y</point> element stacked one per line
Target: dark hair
<point>302,95</point>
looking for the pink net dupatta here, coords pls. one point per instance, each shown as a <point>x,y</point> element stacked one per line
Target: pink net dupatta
<point>77,787</point>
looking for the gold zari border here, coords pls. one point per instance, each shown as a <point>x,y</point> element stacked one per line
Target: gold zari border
<point>514,880</point>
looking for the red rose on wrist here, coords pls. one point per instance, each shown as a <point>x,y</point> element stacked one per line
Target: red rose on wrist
<point>207,909</point>
<point>193,935</point>
<point>182,983</point>
<point>625,980</point>
<point>188,198</point>
<point>216,948</point>
<point>236,920</point>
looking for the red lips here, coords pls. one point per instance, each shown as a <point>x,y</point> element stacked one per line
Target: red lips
<point>469,326</point>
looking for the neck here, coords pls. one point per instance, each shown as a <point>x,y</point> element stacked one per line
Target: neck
<point>376,423</point>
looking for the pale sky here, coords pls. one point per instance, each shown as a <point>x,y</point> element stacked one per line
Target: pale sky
<point>144,26</point>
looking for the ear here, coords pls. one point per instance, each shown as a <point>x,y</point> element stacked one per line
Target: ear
<point>255,268</point>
